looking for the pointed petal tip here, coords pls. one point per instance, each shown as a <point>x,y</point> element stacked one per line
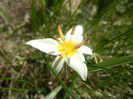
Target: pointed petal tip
<point>47,45</point>
<point>25,43</point>
<point>79,26</point>
<point>77,64</point>
<point>28,43</point>
<point>31,42</point>
<point>84,78</point>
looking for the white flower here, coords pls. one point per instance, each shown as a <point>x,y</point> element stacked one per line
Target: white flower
<point>69,49</point>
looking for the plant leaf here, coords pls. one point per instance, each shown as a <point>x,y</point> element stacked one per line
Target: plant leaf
<point>111,63</point>
<point>16,89</point>
<point>52,94</point>
<point>117,37</point>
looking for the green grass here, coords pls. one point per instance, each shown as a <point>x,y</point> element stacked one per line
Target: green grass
<point>25,71</point>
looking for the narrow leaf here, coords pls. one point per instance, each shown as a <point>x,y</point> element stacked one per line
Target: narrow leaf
<point>117,37</point>
<point>52,94</point>
<point>16,89</point>
<point>70,87</point>
<point>22,81</point>
<point>111,63</point>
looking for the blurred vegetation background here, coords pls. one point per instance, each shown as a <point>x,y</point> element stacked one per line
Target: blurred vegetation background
<point>25,71</point>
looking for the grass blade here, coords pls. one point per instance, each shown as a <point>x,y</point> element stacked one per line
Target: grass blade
<point>33,14</point>
<point>117,37</point>
<point>16,89</point>
<point>5,14</point>
<point>52,94</point>
<point>22,81</point>
<point>43,12</point>
<point>70,87</point>
<point>111,63</point>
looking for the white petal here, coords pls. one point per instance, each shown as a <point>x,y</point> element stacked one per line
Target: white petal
<point>77,36</point>
<point>46,45</point>
<point>80,57</point>
<point>77,64</point>
<point>85,50</point>
<point>58,64</point>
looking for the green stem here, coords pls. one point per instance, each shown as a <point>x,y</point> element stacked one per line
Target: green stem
<point>65,72</point>
<point>70,87</point>
<point>61,82</point>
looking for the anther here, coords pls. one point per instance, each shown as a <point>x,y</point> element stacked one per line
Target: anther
<point>79,44</point>
<point>60,33</point>
<point>56,39</point>
<point>72,32</point>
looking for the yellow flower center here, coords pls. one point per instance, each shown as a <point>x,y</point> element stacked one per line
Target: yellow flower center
<point>66,48</point>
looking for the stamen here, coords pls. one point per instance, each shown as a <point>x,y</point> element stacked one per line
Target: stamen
<point>60,33</point>
<point>72,32</point>
<point>79,44</point>
<point>56,39</point>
